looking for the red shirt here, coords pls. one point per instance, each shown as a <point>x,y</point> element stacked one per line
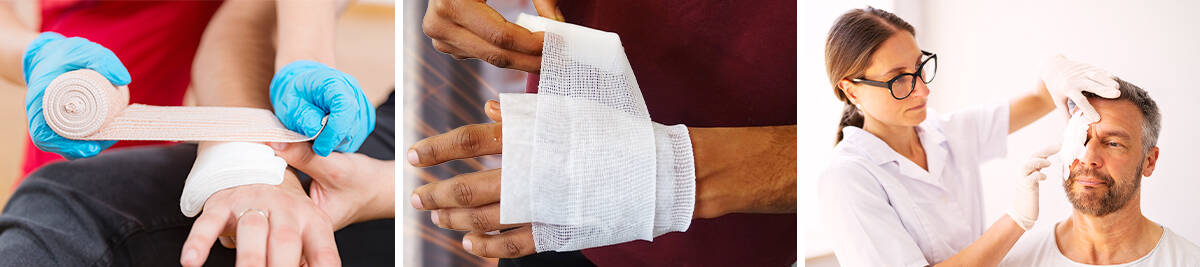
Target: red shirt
<point>156,40</point>
<point>709,64</point>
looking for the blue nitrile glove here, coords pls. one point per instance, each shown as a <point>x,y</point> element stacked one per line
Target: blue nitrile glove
<point>304,91</point>
<point>51,55</point>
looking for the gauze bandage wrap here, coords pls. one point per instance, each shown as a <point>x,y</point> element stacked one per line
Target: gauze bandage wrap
<point>221,165</point>
<point>83,105</point>
<point>584,164</point>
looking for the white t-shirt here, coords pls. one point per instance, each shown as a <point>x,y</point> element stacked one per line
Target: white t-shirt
<point>1039,248</point>
<point>884,210</point>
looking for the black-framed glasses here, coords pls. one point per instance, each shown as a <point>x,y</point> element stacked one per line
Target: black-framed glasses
<point>904,84</point>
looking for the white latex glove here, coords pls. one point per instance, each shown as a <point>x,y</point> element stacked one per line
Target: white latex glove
<point>1025,199</point>
<point>1067,79</point>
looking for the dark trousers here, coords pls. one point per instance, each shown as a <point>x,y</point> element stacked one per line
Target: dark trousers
<point>121,208</point>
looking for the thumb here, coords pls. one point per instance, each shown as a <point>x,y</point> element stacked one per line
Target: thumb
<point>492,109</point>
<point>300,156</point>
<point>1106,85</point>
<point>549,9</point>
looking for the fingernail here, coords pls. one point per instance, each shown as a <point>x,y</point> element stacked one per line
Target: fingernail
<point>466,244</point>
<point>433,217</point>
<point>416,202</point>
<point>189,256</point>
<point>413,158</point>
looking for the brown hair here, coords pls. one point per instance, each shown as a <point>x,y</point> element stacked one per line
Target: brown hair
<point>848,50</point>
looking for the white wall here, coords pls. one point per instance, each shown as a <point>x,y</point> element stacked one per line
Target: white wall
<point>991,50</point>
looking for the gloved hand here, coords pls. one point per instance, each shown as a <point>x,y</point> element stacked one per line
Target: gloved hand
<point>1025,201</point>
<point>303,92</point>
<point>51,55</point>
<point>1067,80</point>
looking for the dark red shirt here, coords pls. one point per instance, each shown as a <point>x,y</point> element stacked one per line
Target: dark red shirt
<point>156,40</point>
<point>706,64</point>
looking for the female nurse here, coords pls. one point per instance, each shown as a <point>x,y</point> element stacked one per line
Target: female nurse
<point>903,188</point>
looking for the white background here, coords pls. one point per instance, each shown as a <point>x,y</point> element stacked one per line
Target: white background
<point>991,52</point>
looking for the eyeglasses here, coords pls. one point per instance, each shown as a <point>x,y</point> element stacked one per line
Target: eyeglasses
<point>904,84</point>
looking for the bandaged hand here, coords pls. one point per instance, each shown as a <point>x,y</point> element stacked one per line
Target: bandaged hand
<point>349,187</point>
<point>49,56</point>
<point>1025,199</point>
<point>269,225</point>
<point>472,29</point>
<point>470,202</point>
<point>1067,80</point>
<point>304,92</point>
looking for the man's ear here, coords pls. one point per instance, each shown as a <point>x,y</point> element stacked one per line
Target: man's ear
<point>848,89</point>
<point>1149,162</point>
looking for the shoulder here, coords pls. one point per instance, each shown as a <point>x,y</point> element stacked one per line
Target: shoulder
<point>1179,247</point>
<point>1034,248</point>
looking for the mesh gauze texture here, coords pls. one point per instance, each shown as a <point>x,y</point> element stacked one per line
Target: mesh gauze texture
<point>583,161</point>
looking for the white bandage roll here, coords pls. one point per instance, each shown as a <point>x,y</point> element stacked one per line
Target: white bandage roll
<point>584,164</point>
<point>221,165</point>
<point>1074,136</point>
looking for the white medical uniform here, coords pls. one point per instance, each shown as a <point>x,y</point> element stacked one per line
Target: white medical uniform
<point>884,210</point>
<point>1040,248</point>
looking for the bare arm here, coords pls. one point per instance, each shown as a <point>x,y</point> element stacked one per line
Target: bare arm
<point>1029,108</point>
<point>233,65</point>
<point>17,37</point>
<point>306,31</point>
<point>744,169</point>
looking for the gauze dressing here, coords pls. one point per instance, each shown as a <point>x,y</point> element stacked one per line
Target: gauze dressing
<point>584,164</point>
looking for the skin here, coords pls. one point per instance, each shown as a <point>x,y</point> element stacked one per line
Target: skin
<point>1114,148</point>
<point>233,67</point>
<point>726,179</point>
<point>894,122</point>
<point>17,37</point>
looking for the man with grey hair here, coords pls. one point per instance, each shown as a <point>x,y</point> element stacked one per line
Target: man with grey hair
<point>1104,186</point>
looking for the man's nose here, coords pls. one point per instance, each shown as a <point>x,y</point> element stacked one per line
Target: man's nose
<point>1091,155</point>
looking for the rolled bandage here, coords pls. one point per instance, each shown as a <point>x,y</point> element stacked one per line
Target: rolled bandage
<point>221,165</point>
<point>583,162</point>
<point>83,105</point>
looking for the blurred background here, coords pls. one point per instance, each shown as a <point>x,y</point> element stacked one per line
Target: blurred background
<point>440,94</point>
<point>991,51</point>
<point>365,49</point>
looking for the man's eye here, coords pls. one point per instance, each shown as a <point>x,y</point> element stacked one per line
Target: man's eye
<point>1114,144</point>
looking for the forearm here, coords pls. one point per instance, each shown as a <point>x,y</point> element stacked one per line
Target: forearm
<point>1029,108</point>
<point>233,65</point>
<point>990,248</point>
<point>744,170</point>
<point>306,31</point>
<point>17,37</point>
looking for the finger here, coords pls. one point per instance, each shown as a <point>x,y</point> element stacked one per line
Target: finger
<point>481,219</point>
<point>1035,164</point>
<point>1082,104</point>
<point>308,119</point>
<point>283,244</point>
<point>483,21</point>
<point>463,191</point>
<point>511,244</point>
<point>463,142</point>
<point>1047,151</point>
<point>337,128</point>
<point>300,156</point>
<point>492,109</point>
<point>320,247</point>
<point>549,9</point>
<point>471,46</point>
<point>108,65</point>
<point>449,49</point>
<point>251,242</point>
<point>204,232</point>
<point>1106,85</point>
<point>1036,177</point>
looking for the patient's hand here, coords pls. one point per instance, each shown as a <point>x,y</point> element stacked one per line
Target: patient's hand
<point>470,202</point>
<point>269,224</point>
<point>349,187</point>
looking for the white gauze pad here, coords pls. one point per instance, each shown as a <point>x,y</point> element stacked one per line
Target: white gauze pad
<point>583,162</point>
<point>221,165</point>
<point>1074,137</point>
